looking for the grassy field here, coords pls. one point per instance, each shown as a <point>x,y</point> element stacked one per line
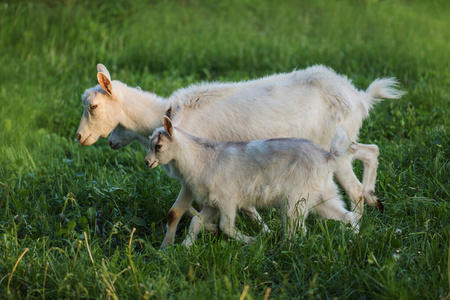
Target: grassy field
<point>87,222</point>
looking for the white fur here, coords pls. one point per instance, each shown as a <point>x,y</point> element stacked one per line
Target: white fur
<point>123,137</point>
<point>306,103</point>
<point>294,175</point>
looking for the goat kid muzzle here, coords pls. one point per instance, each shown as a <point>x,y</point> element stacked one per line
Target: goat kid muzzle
<point>113,146</point>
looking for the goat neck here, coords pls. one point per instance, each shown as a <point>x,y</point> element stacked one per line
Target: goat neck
<point>194,156</point>
<point>142,111</point>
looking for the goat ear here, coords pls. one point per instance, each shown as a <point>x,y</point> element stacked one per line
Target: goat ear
<point>102,69</point>
<point>168,126</point>
<point>104,79</point>
<point>105,83</point>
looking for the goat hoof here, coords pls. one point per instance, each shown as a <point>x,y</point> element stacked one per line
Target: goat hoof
<point>212,228</point>
<point>379,205</point>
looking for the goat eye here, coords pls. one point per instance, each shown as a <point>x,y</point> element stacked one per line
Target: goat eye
<point>158,147</point>
<point>93,106</point>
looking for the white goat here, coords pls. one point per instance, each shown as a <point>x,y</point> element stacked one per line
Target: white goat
<point>308,103</point>
<point>292,174</point>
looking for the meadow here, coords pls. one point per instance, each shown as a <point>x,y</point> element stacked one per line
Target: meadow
<point>87,222</point>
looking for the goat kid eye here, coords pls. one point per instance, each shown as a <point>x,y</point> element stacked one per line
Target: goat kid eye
<point>158,147</point>
<point>93,106</point>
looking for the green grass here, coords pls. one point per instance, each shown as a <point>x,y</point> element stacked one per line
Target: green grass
<point>67,213</point>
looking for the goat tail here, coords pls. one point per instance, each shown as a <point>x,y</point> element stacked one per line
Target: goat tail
<point>386,88</point>
<point>340,144</point>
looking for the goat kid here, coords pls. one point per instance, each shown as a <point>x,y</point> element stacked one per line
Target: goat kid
<point>122,136</point>
<point>294,175</point>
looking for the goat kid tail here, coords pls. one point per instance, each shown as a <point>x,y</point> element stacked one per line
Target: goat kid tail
<point>383,88</point>
<point>340,144</point>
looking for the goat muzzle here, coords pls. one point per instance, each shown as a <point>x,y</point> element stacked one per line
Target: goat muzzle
<point>150,164</point>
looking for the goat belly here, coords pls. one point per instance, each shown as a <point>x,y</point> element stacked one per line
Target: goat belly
<point>259,193</point>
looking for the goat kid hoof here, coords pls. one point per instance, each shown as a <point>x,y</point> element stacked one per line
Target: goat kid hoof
<point>250,241</point>
<point>212,228</point>
<point>164,246</point>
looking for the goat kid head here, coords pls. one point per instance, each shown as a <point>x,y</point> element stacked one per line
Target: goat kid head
<point>121,137</point>
<point>161,150</point>
<point>100,114</point>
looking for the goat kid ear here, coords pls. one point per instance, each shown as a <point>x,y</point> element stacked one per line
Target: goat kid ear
<point>168,126</point>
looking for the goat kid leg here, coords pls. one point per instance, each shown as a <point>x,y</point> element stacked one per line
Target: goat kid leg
<point>256,218</point>
<point>210,227</point>
<point>181,205</point>
<point>332,207</point>
<point>205,216</point>
<point>227,224</point>
<point>368,155</point>
<point>293,214</point>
